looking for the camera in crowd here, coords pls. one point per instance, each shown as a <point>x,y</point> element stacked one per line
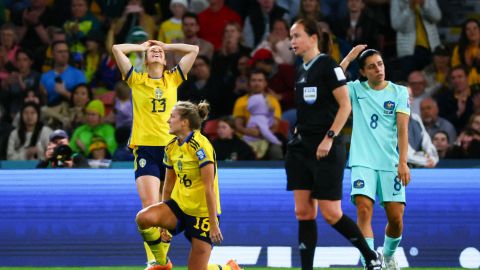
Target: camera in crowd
<point>61,154</point>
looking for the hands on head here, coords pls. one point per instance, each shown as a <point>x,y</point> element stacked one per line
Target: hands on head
<point>150,43</point>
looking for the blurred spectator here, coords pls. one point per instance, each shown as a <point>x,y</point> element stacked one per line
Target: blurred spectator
<point>122,111</point>
<point>133,16</point>
<point>77,28</point>
<point>98,156</point>
<point>474,122</point>
<point>241,114</point>
<point>82,136</point>
<point>213,22</point>
<point>278,43</point>
<point>202,85</point>
<point>434,123</point>
<point>280,77</point>
<point>122,153</point>
<point>15,86</point>
<point>30,139</point>
<point>420,90</point>
<point>227,145</point>
<point>358,26</point>
<point>333,8</point>
<point>32,26</point>
<point>5,130</point>
<point>467,51</point>
<point>259,19</point>
<point>224,61</point>
<point>261,117</point>
<point>421,151</point>
<point>58,83</point>
<point>94,54</point>
<point>241,78</point>
<point>70,115</point>
<point>436,73</point>
<point>171,29</point>
<point>44,60</point>
<point>440,140</point>
<point>9,42</point>
<point>467,146</point>
<point>309,9</point>
<point>415,22</point>
<point>190,28</point>
<point>456,103</point>
<point>292,6</point>
<point>476,98</point>
<point>112,9</point>
<point>59,155</point>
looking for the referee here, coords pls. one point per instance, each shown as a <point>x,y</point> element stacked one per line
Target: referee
<point>316,155</point>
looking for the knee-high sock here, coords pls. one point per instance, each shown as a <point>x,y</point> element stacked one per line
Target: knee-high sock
<point>370,242</point>
<point>350,230</point>
<point>390,245</point>
<point>307,241</point>
<point>154,241</point>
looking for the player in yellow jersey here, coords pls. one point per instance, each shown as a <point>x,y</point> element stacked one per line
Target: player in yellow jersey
<point>154,94</point>
<point>191,201</point>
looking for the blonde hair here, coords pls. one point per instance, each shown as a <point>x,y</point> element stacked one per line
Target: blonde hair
<point>194,113</point>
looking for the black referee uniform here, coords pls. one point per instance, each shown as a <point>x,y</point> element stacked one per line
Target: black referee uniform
<point>316,110</point>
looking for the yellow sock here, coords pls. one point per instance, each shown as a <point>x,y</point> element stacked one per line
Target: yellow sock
<point>148,251</point>
<point>154,242</point>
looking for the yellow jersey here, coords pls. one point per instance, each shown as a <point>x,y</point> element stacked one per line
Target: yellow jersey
<point>187,159</point>
<point>152,102</point>
<point>240,107</point>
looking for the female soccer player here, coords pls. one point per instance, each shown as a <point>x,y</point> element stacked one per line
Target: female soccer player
<point>315,157</point>
<point>380,123</point>
<point>153,94</point>
<point>191,201</point>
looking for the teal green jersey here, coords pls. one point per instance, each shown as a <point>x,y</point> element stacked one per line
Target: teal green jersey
<point>374,135</point>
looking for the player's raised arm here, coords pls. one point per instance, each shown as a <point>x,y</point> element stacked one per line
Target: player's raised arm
<point>190,51</point>
<point>352,55</point>
<point>120,52</point>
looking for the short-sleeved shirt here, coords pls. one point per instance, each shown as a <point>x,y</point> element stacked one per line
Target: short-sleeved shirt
<point>374,136</point>
<point>71,77</point>
<point>186,160</point>
<point>314,99</point>
<point>153,101</point>
<point>240,108</point>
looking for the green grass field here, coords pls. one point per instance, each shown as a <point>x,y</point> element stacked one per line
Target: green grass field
<point>181,268</point>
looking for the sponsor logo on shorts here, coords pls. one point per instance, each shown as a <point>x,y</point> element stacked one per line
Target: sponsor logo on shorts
<point>142,162</point>
<point>396,194</point>
<point>359,183</point>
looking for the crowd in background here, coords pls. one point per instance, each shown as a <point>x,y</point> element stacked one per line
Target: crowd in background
<point>59,85</point>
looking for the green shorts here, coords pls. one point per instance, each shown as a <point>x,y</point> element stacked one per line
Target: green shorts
<point>369,182</point>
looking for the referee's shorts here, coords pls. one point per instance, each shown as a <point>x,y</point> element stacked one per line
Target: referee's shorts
<point>304,172</point>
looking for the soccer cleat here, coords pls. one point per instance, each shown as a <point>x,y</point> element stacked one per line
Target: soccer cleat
<point>390,263</point>
<point>233,264</point>
<point>375,264</point>
<point>156,266</point>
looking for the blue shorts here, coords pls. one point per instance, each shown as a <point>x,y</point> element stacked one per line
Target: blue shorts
<point>149,161</point>
<point>196,227</point>
<point>369,182</point>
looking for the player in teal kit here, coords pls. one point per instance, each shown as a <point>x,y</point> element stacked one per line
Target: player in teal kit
<point>380,126</point>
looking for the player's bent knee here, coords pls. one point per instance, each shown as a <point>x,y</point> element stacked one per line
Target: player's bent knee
<point>305,213</point>
<point>332,217</point>
<point>364,210</point>
<point>143,220</point>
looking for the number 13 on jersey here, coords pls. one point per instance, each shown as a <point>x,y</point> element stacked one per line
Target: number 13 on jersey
<point>158,105</point>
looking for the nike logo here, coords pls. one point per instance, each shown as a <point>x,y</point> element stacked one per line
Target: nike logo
<point>395,194</point>
<point>361,97</point>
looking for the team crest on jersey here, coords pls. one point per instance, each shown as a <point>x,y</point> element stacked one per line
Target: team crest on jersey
<point>389,107</point>
<point>180,165</point>
<point>201,154</point>
<point>158,93</point>
<point>142,162</point>
<point>358,183</point>
<point>310,94</point>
